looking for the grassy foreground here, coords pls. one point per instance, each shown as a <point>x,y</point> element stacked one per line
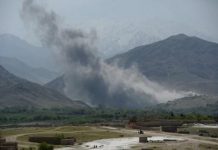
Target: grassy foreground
<point>81,133</point>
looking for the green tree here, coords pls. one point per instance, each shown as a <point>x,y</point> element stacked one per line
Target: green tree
<point>133,119</point>
<point>45,146</point>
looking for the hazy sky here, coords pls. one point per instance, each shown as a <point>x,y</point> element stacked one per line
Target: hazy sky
<point>122,24</point>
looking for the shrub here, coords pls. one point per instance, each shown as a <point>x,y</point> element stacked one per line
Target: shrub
<point>45,146</point>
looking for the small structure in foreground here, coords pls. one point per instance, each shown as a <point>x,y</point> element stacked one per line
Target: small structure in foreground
<point>172,129</point>
<point>53,140</point>
<point>4,145</point>
<point>143,139</point>
<point>68,141</point>
<point>140,132</point>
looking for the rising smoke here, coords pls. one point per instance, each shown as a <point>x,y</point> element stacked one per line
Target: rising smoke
<point>87,77</point>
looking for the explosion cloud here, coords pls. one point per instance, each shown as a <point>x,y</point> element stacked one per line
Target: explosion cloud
<point>87,77</point>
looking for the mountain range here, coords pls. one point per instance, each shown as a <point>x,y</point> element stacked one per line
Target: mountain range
<point>37,57</point>
<point>18,92</point>
<point>22,70</point>
<point>179,62</point>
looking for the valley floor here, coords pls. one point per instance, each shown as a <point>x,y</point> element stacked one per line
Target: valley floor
<point>111,138</point>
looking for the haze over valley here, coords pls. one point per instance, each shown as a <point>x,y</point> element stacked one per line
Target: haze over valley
<point>176,67</point>
<point>88,73</point>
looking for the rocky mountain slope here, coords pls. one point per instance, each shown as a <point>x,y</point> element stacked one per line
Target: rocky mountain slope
<point>22,70</point>
<point>15,47</point>
<point>180,61</point>
<point>17,92</point>
<point>191,102</point>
